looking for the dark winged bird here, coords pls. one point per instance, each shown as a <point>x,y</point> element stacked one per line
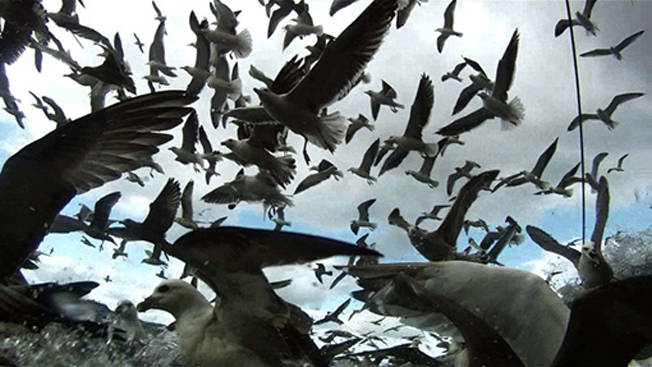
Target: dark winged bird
<point>187,213</point>
<point>98,225</point>
<point>455,74</point>
<point>364,170</point>
<point>582,19</point>
<point>325,170</point>
<point>160,217</point>
<point>619,167</point>
<point>614,50</point>
<point>187,153</point>
<point>412,137</point>
<point>533,176</point>
<point>386,97</point>
<point>201,70</point>
<point>464,171</point>
<point>285,8</point>
<point>302,26</point>
<point>433,214</point>
<point>447,30</point>
<point>441,244</point>
<point>363,217</point>
<point>338,5</point>
<point>494,104</point>
<point>563,187</point>
<point>320,271</point>
<point>479,82</point>
<point>345,58</point>
<point>423,175</point>
<point>261,187</point>
<point>592,177</point>
<point>21,19</point>
<point>357,124</point>
<point>334,316</point>
<point>262,333</point>
<point>39,180</point>
<point>605,115</point>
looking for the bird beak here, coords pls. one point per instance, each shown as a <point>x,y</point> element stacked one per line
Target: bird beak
<point>148,304</point>
<point>257,90</point>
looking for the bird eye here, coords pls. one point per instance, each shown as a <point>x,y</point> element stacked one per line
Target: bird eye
<point>164,288</point>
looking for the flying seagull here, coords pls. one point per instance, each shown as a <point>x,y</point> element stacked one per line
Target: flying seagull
<point>494,104</point>
<point>582,19</point>
<point>230,260</point>
<point>464,171</point>
<point>363,217</point>
<point>592,177</point>
<point>533,176</point>
<point>619,167</point>
<point>39,180</point>
<point>605,115</point>
<point>386,97</point>
<point>455,74</point>
<point>98,225</point>
<point>357,124</point>
<point>412,137</point>
<point>364,170</point>
<point>614,50</point>
<point>447,30</point>
<point>342,62</point>
<point>325,170</point>
<point>423,175</point>
<point>562,188</point>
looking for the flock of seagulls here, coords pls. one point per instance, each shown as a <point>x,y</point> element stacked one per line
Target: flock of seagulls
<point>483,312</point>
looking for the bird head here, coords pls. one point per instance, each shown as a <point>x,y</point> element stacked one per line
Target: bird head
<point>174,296</point>
<point>590,250</point>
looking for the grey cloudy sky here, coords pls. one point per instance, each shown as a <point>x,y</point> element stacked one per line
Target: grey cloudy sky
<point>543,82</point>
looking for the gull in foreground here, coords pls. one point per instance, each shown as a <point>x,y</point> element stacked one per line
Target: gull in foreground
<point>364,170</point>
<point>614,50</point>
<point>447,30</point>
<point>40,179</point>
<point>250,325</point>
<point>341,63</point>
<point>605,115</point>
<point>531,327</point>
<point>386,97</point>
<point>494,104</point>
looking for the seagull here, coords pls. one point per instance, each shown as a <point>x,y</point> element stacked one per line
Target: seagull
<point>423,175</point>
<point>201,70</point>
<point>265,332</point>
<point>614,50</point>
<point>363,217</point>
<point>333,316</point>
<point>494,104</point>
<point>464,171</point>
<point>133,177</point>
<point>385,97</point>
<point>187,154</point>
<point>592,177</point>
<point>433,214</point>
<point>279,219</point>
<point>412,137</point>
<point>619,167</point>
<point>582,19</point>
<point>160,217</point>
<point>210,155</point>
<point>226,41</point>
<point>39,180</point>
<point>320,271</point>
<point>248,152</point>
<point>367,160</point>
<point>139,44</point>
<point>126,322</point>
<point>120,251</point>
<point>186,220</point>
<point>455,74</point>
<point>531,327</point>
<point>533,176</point>
<point>98,225</point>
<point>605,115</point>
<point>302,27</point>
<point>357,124</point>
<point>479,223</point>
<point>285,8</point>
<point>325,170</point>
<point>260,187</point>
<point>161,274</point>
<point>330,79</point>
<point>159,15</point>
<point>447,30</point>
<point>562,187</point>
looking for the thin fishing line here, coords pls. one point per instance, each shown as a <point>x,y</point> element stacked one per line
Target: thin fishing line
<point>579,113</point>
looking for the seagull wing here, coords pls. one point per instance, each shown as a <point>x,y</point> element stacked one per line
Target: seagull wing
<point>544,158</point>
<point>338,5</point>
<point>39,180</point>
<point>581,118</point>
<point>451,226</point>
<point>225,194</point>
<point>506,68</point>
<point>601,212</point>
<point>426,166</point>
<point>202,58</point>
<point>421,108</point>
<point>448,15</point>
<point>465,97</point>
<point>345,58</point>
<point>629,40</point>
<point>596,163</point>
<point>394,159</point>
<point>597,52</point>
<point>103,210</point>
<point>548,243</point>
<point>351,130</point>
<point>466,123</point>
<point>288,77</point>
<point>186,201</point>
<point>588,7</point>
<point>369,156</point>
<point>568,178</point>
<point>621,98</point>
<point>163,209</point>
<point>363,209</point>
<point>190,133</point>
<point>475,65</point>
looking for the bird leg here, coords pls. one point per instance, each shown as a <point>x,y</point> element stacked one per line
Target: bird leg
<point>305,151</point>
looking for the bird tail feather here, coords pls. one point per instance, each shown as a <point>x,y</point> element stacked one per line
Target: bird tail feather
<point>517,113</point>
<point>243,44</point>
<point>331,132</point>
